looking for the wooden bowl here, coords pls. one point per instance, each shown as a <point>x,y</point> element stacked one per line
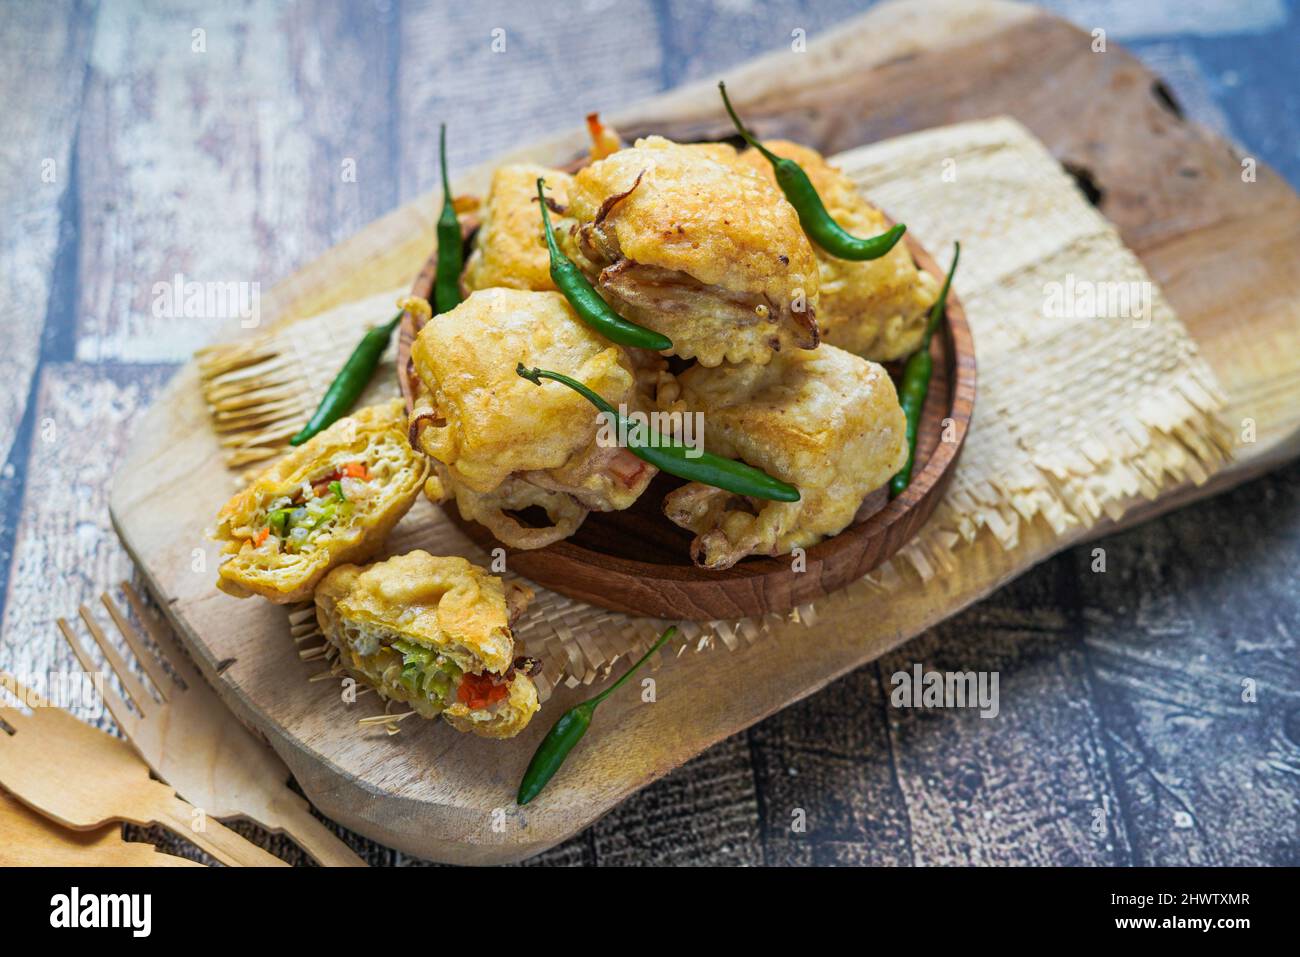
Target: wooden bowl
<point>637,561</point>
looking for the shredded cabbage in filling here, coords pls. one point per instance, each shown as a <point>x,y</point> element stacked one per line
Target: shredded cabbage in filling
<point>401,665</point>
<point>297,523</point>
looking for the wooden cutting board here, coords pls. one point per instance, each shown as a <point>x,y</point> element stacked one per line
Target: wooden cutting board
<point>1225,256</point>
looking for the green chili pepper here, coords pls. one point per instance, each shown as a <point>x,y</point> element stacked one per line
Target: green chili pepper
<point>916,380</point>
<point>350,382</point>
<point>568,731</point>
<point>817,222</point>
<point>672,457</point>
<point>446,284</point>
<point>279,521</point>
<point>586,302</point>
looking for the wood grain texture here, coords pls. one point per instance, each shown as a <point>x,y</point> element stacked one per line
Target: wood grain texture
<point>1196,681</point>
<point>636,561</point>
<point>43,69</point>
<point>555,54</point>
<point>84,417</point>
<point>1209,584</point>
<point>251,177</point>
<point>29,840</point>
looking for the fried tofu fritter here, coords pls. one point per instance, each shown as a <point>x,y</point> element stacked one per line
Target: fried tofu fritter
<point>825,421</point>
<point>331,500</point>
<point>697,242</point>
<point>503,442</point>
<point>433,632</point>
<point>878,308</point>
<point>509,249</point>
<point>685,241</point>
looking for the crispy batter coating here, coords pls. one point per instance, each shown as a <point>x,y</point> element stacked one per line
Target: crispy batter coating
<point>686,241</point>
<point>413,625</point>
<point>876,309</point>
<point>496,510</point>
<point>494,432</point>
<point>375,436</point>
<point>825,421</point>
<point>509,249</point>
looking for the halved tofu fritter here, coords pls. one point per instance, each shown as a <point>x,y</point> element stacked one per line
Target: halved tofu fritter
<point>333,499</point>
<point>433,632</point>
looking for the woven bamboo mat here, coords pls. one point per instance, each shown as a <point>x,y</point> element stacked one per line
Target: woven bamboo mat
<point>1092,397</point>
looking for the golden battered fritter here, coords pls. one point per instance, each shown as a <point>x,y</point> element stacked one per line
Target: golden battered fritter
<point>503,442</point>
<point>496,510</point>
<point>826,421</point>
<point>684,240</point>
<point>878,308</point>
<point>331,500</point>
<point>509,249</point>
<point>433,632</point>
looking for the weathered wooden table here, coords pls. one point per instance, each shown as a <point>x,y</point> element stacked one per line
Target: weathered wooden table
<point>142,141</point>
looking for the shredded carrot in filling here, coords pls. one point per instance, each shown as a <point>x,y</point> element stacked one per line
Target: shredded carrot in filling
<point>294,516</point>
<point>480,691</point>
<point>356,470</point>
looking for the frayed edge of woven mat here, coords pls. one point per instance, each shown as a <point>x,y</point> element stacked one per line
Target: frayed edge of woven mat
<point>1177,438</point>
<point>256,393</point>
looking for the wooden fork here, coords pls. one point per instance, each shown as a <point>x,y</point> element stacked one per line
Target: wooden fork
<point>194,743</point>
<point>83,778</point>
<point>29,840</point>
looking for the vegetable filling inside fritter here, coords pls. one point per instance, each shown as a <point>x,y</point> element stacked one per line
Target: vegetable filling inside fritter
<point>297,523</point>
<point>410,671</point>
